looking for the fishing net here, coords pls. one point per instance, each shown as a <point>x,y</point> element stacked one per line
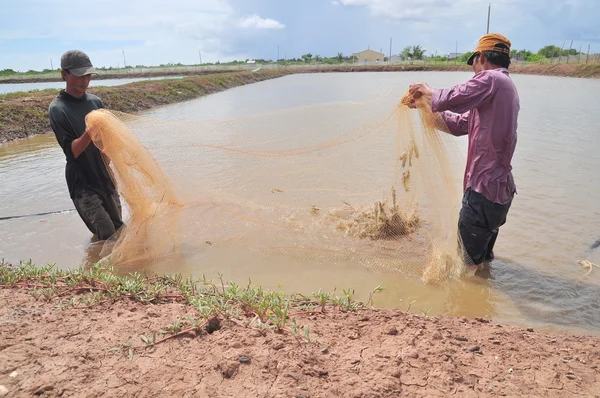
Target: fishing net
<point>353,182</point>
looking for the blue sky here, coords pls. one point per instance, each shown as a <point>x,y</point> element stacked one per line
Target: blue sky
<point>152,32</point>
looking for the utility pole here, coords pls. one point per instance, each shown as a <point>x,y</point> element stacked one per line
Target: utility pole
<point>588,54</point>
<point>124,62</point>
<point>561,51</point>
<point>200,56</point>
<point>489,12</point>
<point>569,53</point>
<point>456,53</point>
<point>277,54</point>
<point>51,65</point>
<point>390,58</point>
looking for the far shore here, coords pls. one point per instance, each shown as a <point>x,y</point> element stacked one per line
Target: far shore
<point>582,70</point>
<point>24,114</point>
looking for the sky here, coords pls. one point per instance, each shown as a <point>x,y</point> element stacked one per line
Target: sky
<point>34,33</point>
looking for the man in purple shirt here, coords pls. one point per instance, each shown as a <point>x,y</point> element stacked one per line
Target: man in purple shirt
<point>486,107</point>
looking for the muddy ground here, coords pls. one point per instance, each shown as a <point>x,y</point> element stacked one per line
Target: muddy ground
<point>75,352</point>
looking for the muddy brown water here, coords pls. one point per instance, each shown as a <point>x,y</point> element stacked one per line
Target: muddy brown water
<point>534,281</point>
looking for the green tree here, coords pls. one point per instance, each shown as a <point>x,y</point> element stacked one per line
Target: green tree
<point>550,51</point>
<point>521,55</point>
<point>570,51</point>
<point>417,52</point>
<point>7,72</point>
<point>463,57</point>
<point>340,57</point>
<point>412,53</point>
<point>307,57</point>
<point>406,53</point>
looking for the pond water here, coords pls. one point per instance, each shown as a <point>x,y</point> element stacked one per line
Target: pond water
<point>534,281</point>
<point>6,88</point>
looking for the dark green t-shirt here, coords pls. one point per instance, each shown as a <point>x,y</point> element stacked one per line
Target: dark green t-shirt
<point>67,118</point>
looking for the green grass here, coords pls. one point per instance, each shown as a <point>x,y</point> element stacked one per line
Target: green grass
<point>211,301</point>
<point>27,94</point>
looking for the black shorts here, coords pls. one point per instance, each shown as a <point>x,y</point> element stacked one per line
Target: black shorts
<point>478,225</point>
<point>100,213</point>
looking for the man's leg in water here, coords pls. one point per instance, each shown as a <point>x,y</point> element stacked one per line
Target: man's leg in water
<point>90,207</point>
<point>478,226</point>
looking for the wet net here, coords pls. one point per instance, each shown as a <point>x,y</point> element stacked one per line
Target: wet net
<point>368,183</point>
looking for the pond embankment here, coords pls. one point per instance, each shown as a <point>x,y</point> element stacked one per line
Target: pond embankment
<point>94,331</point>
<point>24,114</point>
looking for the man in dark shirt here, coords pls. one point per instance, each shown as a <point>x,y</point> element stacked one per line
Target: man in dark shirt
<point>88,180</point>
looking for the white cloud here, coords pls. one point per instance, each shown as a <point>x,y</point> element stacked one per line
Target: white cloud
<point>150,32</point>
<point>402,9</point>
<point>254,21</point>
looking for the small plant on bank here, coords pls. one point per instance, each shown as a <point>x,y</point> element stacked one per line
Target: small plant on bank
<point>213,302</point>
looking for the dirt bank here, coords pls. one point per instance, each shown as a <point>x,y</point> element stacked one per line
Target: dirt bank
<point>287,69</point>
<point>563,70</point>
<point>572,70</point>
<point>49,350</point>
<point>25,114</point>
<point>108,75</point>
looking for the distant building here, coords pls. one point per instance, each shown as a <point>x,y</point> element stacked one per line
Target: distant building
<point>454,55</point>
<point>368,57</point>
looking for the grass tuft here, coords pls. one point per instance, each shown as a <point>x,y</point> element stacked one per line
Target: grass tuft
<point>211,302</point>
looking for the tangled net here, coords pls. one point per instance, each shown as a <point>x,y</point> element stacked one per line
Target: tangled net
<point>310,184</point>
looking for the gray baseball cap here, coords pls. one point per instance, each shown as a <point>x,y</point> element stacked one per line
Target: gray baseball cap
<point>77,62</point>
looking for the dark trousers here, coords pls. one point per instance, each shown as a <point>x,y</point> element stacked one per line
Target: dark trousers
<point>478,225</point>
<point>100,213</point>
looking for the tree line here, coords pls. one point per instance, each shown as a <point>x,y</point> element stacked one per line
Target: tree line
<point>409,53</point>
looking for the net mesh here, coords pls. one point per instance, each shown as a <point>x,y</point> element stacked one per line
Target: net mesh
<point>335,182</point>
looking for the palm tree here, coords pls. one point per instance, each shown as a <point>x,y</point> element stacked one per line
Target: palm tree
<point>412,53</point>
<point>307,57</point>
<point>417,52</point>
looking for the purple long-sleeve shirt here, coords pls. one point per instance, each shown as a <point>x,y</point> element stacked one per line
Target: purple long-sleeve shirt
<point>486,108</point>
